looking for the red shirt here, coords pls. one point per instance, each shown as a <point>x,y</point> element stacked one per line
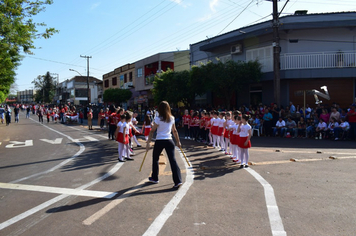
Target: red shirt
<point>186,119</point>
<point>352,118</point>
<point>195,121</point>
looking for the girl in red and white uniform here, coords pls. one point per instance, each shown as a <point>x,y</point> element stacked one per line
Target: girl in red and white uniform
<point>147,126</point>
<point>194,126</point>
<point>244,142</point>
<point>209,116</point>
<point>221,131</point>
<point>120,137</point>
<point>186,123</point>
<point>236,132</point>
<point>227,133</point>
<point>215,129</point>
<point>233,134</point>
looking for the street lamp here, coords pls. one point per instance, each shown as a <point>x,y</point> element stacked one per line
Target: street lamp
<point>75,71</point>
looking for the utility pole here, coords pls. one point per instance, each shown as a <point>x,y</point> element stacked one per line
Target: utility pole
<point>276,54</point>
<point>87,57</point>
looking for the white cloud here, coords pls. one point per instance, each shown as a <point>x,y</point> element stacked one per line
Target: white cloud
<point>180,2</point>
<point>213,4</point>
<point>205,18</point>
<point>95,5</point>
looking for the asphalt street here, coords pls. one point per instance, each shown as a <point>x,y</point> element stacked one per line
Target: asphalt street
<point>60,179</point>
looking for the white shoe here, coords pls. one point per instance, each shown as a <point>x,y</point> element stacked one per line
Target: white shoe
<point>336,139</point>
<point>185,137</point>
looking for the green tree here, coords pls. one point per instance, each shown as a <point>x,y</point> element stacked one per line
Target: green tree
<point>45,86</point>
<point>173,87</point>
<point>116,95</point>
<point>17,32</point>
<point>225,79</point>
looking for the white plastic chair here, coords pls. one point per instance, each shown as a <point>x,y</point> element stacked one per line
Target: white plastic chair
<point>256,129</point>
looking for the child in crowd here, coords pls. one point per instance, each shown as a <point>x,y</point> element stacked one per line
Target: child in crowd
<point>221,122</point>
<point>120,137</point>
<point>147,126</point>
<point>215,129</point>
<point>227,134</point>
<point>209,116</point>
<point>186,123</point>
<point>244,141</point>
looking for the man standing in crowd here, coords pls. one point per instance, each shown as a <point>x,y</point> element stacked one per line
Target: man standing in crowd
<point>352,121</point>
<point>28,110</point>
<point>16,112</point>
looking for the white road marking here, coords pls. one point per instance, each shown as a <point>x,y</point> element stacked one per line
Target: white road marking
<point>16,144</point>
<point>60,197</point>
<point>57,199</point>
<point>85,139</point>
<point>84,131</point>
<point>81,150</point>
<point>275,219</point>
<point>67,191</point>
<point>90,220</point>
<point>56,141</point>
<point>161,219</point>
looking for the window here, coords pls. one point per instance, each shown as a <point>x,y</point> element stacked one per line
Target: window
<point>139,72</point>
<point>106,83</point>
<point>125,78</point>
<point>114,81</point>
<point>226,58</point>
<point>130,77</point>
<point>81,93</point>
<point>121,81</point>
<point>264,56</point>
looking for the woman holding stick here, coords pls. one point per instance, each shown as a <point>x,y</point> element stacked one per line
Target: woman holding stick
<point>164,124</point>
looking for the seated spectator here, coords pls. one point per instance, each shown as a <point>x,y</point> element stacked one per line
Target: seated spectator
<point>301,127</point>
<point>320,129</point>
<point>280,126</point>
<point>343,114</point>
<point>310,127</point>
<point>344,127</point>
<point>291,127</point>
<point>324,115</point>
<point>330,129</point>
<point>334,114</point>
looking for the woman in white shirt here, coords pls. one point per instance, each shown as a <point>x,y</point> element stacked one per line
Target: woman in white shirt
<point>164,124</point>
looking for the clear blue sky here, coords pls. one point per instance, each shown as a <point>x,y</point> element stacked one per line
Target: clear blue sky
<point>117,32</point>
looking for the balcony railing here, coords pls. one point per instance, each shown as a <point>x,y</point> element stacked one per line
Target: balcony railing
<point>318,60</point>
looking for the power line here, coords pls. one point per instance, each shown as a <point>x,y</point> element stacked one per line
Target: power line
<point>236,17</point>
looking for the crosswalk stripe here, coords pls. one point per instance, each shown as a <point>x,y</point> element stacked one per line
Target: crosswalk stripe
<point>67,191</point>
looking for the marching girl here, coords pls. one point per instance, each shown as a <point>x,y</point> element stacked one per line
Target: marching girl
<point>194,126</point>
<point>120,137</point>
<point>147,126</point>
<point>186,123</point>
<point>221,131</point>
<point>236,132</point>
<point>244,141</point>
<point>208,134</point>
<point>215,129</point>
<point>202,127</point>
<point>227,133</point>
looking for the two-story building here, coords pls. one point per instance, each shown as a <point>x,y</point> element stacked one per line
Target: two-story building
<point>316,50</point>
<point>75,90</point>
<point>26,96</point>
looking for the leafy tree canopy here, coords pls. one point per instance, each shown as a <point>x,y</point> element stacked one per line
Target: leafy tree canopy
<point>45,86</point>
<point>17,32</point>
<point>116,95</point>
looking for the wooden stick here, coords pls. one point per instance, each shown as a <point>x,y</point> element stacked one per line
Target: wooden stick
<point>186,159</point>
<point>143,160</point>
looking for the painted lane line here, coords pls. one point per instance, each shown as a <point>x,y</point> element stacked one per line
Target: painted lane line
<point>59,198</point>
<point>67,191</point>
<point>84,131</point>
<point>90,220</point>
<point>56,199</point>
<point>161,219</point>
<point>275,219</point>
<point>81,150</point>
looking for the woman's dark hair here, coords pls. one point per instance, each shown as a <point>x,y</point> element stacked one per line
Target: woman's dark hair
<point>123,117</point>
<point>119,111</point>
<point>245,117</point>
<point>147,120</point>
<point>222,114</point>
<point>128,116</point>
<point>164,111</point>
